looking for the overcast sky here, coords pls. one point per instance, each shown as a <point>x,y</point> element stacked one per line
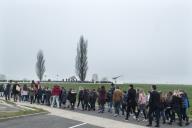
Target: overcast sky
<point>146,41</point>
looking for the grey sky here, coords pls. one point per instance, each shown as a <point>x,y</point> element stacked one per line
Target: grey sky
<point>143,40</point>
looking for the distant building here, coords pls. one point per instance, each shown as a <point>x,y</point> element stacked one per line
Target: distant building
<point>72,79</point>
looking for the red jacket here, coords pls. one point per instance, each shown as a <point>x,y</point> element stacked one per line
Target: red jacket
<point>56,90</point>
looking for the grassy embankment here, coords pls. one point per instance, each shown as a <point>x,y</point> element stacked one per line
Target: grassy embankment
<point>8,114</point>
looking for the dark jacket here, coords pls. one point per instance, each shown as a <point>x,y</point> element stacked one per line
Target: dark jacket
<point>102,96</point>
<point>39,92</point>
<point>86,96</point>
<point>72,97</point>
<point>81,95</point>
<point>176,102</point>
<point>14,91</point>
<point>1,88</point>
<point>154,100</point>
<point>132,96</point>
<point>63,96</point>
<point>8,88</point>
<point>110,96</point>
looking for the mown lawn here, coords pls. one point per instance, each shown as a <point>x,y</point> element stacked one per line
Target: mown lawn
<point>19,113</point>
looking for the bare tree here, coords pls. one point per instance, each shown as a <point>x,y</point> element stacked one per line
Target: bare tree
<point>40,65</point>
<point>81,59</point>
<point>95,78</point>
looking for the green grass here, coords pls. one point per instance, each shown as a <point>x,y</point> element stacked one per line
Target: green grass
<point>9,102</point>
<point>4,115</point>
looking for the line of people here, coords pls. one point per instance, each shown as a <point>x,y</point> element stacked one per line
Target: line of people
<point>154,106</point>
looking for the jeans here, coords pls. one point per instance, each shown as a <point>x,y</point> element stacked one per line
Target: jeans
<point>1,94</point>
<point>55,99</point>
<point>110,105</point>
<point>162,114</point>
<point>123,109</point>
<point>117,107</point>
<point>7,95</point>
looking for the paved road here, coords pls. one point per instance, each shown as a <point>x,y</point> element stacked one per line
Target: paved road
<point>44,121</point>
<point>121,118</point>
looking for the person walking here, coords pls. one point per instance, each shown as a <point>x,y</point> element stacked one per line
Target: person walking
<point>48,96</point>
<point>32,94</point>
<point>176,104</point>
<point>55,95</point>
<point>185,106</point>
<point>131,102</point>
<point>1,90</point>
<point>73,99</point>
<point>124,102</point>
<point>102,99</point>
<point>154,102</point>
<point>86,99</point>
<point>81,99</point>
<point>110,100</point>
<point>117,99</point>
<point>93,98</point>
<point>142,100</point>
<point>63,97</point>
<point>8,90</point>
<point>39,94</point>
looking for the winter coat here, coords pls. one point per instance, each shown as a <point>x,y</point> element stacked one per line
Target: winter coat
<point>154,100</point>
<point>132,96</point>
<point>102,96</point>
<point>117,95</point>
<point>56,91</point>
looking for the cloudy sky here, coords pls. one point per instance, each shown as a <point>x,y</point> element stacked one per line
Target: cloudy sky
<point>145,41</point>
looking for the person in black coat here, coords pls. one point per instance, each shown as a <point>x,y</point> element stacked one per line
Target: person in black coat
<point>8,90</point>
<point>73,99</point>
<point>1,90</point>
<point>63,97</point>
<point>154,103</point>
<point>80,98</point>
<point>92,99</point>
<point>176,105</point>
<point>48,96</point>
<point>131,101</point>
<point>39,95</point>
<point>15,91</point>
<point>86,99</point>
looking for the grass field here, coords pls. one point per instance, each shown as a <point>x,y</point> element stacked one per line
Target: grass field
<point>146,87</point>
<point>4,115</point>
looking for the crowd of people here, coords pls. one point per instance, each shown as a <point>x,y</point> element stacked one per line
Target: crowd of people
<point>154,106</point>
